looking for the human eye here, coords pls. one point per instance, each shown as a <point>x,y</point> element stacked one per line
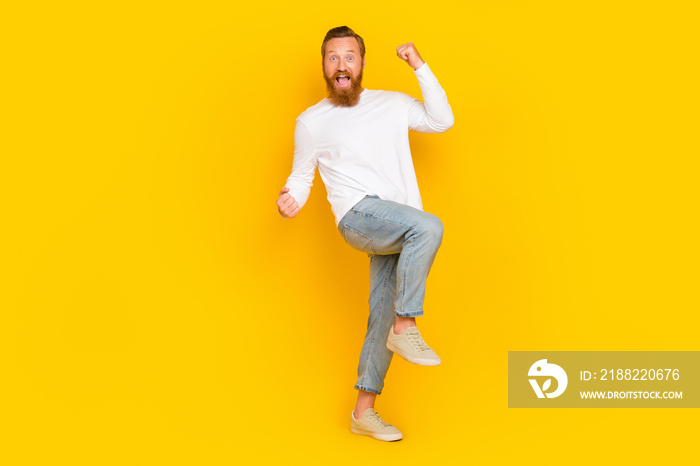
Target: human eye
<point>332,58</point>
<point>351,58</point>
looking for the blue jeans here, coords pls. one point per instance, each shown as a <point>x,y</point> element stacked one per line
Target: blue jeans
<point>401,242</point>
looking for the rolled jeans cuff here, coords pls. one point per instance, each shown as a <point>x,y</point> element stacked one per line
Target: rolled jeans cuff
<point>417,313</point>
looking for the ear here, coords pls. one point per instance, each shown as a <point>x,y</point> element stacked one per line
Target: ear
<point>363,63</point>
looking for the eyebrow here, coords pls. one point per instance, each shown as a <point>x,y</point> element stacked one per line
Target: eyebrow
<point>347,50</point>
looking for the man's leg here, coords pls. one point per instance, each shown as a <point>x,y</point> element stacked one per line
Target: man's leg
<point>375,357</point>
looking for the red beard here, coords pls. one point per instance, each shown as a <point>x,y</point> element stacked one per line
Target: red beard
<point>344,97</point>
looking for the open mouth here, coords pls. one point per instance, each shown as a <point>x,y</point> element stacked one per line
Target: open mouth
<point>343,80</point>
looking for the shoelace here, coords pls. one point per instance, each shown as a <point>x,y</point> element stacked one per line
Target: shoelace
<point>374,417</point>
<point>417,342</point>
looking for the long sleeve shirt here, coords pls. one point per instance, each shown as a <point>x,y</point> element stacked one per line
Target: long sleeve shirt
<point>364,149</point>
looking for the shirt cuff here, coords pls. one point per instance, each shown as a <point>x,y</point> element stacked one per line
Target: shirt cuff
<point>424,68</point>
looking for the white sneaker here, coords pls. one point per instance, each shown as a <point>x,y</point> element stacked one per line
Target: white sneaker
<point>410,346</point>
<point>371,424</point>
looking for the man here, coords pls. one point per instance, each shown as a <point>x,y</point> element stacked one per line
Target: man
<point>358,138</point>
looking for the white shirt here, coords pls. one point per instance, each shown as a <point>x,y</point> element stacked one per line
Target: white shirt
<point>364,149</point>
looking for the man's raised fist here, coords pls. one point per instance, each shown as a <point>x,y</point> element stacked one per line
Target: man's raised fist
<point>409,54</point>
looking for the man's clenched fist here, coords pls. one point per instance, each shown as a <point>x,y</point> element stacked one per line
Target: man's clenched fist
<point>286,204</point>
<point>409,54</point>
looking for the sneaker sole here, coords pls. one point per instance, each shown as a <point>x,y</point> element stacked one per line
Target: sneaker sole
<point>374,435</point>
<point>409,358</point>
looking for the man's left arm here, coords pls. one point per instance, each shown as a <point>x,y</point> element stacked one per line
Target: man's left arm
<point>434,115</point>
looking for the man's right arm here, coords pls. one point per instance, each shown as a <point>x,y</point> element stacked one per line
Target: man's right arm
<point>296,191</point>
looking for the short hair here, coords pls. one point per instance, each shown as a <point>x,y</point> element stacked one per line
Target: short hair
<point>342,31</point>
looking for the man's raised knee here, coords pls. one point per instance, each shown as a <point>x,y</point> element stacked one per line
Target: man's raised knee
<point>437,228</point>
<point>432,229</point>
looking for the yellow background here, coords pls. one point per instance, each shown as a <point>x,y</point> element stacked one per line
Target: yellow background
<point>156,309</point>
